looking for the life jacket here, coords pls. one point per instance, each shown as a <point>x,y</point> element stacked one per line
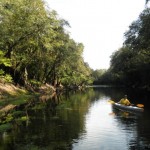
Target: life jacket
<point>124,101</point>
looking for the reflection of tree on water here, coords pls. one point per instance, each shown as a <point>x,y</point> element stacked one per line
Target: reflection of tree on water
<point>113,92</point>
<point>128,122</point>
<point>59,121</point>
<point>144,129</point>
<point>124,116</point>
<point>55,122</point>
<point>143,120</point>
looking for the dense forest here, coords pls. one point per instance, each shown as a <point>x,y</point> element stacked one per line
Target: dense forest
<point>36,48</point>
<point>130,65</point>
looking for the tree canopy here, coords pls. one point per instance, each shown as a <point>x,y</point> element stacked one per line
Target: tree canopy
<point>34,40</point>
<point>130,65</point>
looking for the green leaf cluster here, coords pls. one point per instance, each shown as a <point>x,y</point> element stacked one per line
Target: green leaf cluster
<point>5,62</point>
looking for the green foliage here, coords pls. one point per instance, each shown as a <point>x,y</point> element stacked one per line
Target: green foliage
<point>8,78</point>
<point>35,83</point>
<point>5,127</point>
<point>96,74</point>
<point>3,60</point>
<point>6,62</point>
<point>1,72</point>
<point>24,118</point>
<point>38,45</point>
<point>18,113</point>
<point>9,118</point>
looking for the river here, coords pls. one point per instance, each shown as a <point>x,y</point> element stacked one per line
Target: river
<point>82,120</point>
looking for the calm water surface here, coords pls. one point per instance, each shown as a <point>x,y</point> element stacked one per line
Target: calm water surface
<point>83,120</point>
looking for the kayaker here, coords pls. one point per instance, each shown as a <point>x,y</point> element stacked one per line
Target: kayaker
<point>124,101</point>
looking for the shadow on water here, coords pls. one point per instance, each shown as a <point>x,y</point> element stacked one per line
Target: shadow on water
<point>60,121</point>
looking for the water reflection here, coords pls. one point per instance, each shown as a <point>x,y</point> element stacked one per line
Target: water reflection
<point>132,123</point>
<point>81,120</point>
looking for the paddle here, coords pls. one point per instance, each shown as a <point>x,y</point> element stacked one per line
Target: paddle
<point>138,105</point>
<point>111,102</point>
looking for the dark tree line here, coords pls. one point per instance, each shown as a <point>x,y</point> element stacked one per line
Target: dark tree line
<point>130,65</point>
